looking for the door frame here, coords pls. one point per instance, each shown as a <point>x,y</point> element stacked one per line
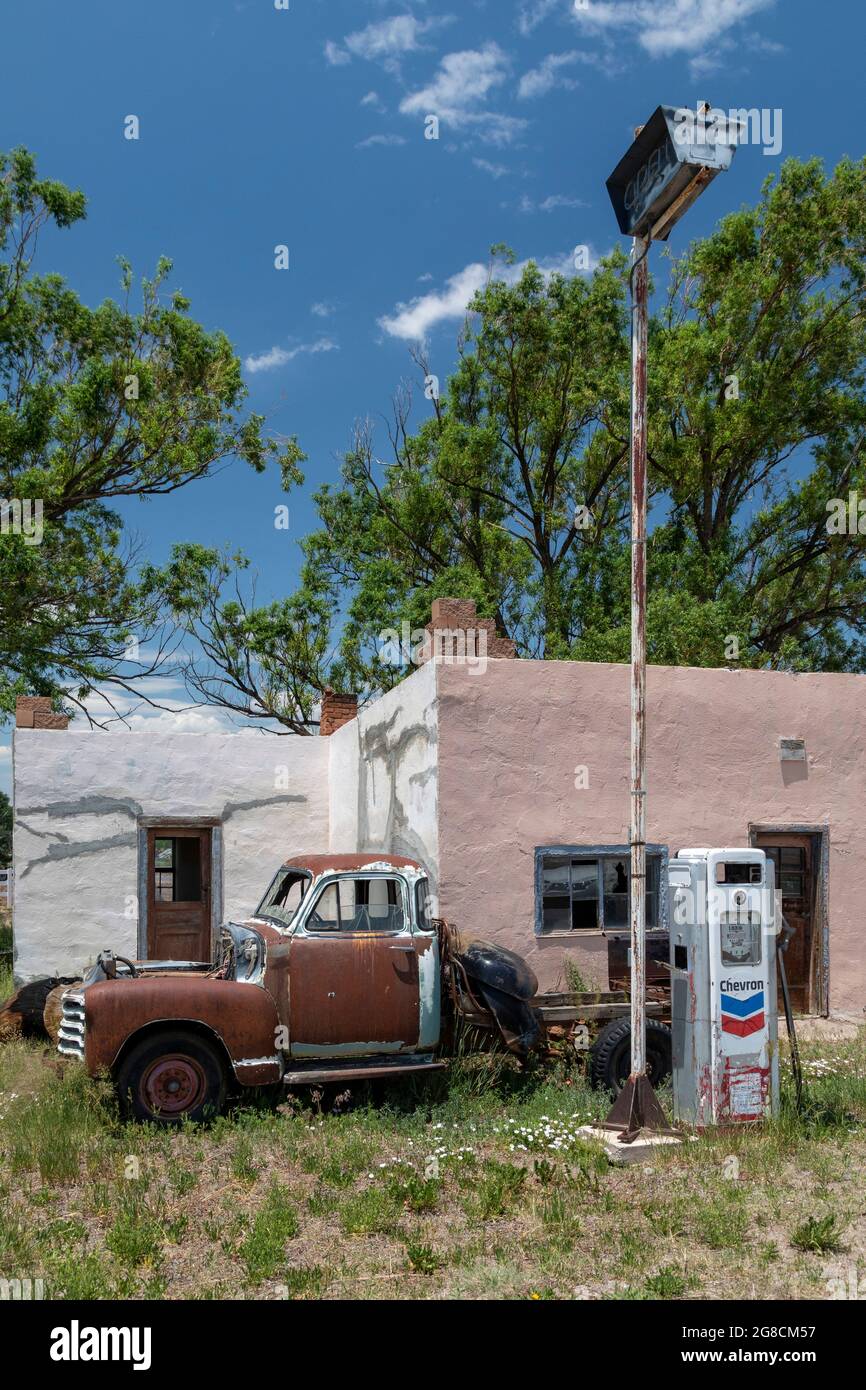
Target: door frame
<point>819,979</point>
<point>300,932</point>
<point>211,823</point>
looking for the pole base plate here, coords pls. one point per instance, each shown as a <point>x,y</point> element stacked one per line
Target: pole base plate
<point>637,1108</point>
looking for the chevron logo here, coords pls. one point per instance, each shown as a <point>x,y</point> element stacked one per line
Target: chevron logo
<point>742,1016</point>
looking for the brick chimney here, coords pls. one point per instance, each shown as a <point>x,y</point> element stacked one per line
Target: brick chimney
<point>477,636</point>
<point>337,710</point>
<point>35,712</point>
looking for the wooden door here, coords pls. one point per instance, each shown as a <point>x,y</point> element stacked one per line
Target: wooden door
<point>793,857</point>
<point>179,887</point>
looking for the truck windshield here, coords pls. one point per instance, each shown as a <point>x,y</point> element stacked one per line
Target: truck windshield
<point>284,897</point>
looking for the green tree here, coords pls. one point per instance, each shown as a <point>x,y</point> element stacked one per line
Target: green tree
<point>95,404</point>
<point>5,831</point>
<point>512,488</point>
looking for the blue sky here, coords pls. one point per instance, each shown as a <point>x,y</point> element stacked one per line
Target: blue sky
<point>305,126</point>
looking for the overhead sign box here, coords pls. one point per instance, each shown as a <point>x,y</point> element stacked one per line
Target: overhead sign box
<point>677,153</point>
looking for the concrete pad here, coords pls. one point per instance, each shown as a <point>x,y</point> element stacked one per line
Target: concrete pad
<point>642,1147</point>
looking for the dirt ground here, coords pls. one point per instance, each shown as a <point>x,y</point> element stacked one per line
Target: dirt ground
<point>473,1185</point>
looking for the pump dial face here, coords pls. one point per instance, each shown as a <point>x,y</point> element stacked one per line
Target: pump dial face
<point>741,937</point>
<point>739,944</point>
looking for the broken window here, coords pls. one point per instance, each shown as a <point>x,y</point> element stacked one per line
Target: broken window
<point>359,905</point>
<point>284,897</point>
<point>177,869</point>
<point>591,893</point>
<point>790,862</point>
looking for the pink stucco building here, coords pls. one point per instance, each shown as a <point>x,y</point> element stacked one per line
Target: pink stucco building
<point>535,756</point>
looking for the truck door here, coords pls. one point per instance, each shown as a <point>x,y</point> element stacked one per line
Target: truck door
<point>353,970</point>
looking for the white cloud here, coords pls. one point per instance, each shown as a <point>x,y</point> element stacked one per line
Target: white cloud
<point>337,57</point>
<point>463,80</point>
<point>373,99</point>
<point>278,357</point>
<point>323,310</point>
<point>413,321</point>
<point>380,140</point>
<point>551,203</point>
<point>533,13</point>
<point>5,752</point>
<point>385,41</point>
<point>117,710</point>
<point>546,76</point>
<point>662,27</point>
<point>181,721</point>
<point>459,89</point>
<point>496,171</point>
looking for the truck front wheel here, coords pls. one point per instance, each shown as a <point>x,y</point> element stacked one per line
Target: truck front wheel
<point>170,1077</point>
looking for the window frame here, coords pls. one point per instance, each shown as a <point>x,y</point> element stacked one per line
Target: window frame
<point>283,872</point>
<point>313,896</point>
<point>422,885</point>
<point>598,852</point>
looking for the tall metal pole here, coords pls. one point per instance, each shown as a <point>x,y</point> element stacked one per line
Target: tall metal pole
<point>637,1108</point>
<point>637,834</point>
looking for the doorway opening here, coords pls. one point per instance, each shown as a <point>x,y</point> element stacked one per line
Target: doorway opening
<point>800,857</point>
<point>178,872</point>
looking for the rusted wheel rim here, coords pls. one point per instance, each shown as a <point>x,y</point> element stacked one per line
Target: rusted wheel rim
<point>173,1085</point>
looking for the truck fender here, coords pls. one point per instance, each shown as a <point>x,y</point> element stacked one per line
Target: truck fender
<point>242,1017</point>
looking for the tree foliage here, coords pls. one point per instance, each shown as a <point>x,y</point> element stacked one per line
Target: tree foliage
<point>512,486</point>
<point>95,405</point>
<point>5,831</point>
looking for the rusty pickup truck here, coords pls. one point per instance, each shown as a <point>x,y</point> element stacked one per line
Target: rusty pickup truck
<point>340,975</point>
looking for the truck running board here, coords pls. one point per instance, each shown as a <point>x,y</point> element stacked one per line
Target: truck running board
<point>357,1070</point>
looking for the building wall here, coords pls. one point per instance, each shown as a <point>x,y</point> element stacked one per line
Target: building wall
<point>79,797</point>
<point>383,775</point>
<point>511,739</point>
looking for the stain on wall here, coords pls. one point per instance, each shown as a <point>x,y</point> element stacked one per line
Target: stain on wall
<point>79,801</point>
<point>384,775</point>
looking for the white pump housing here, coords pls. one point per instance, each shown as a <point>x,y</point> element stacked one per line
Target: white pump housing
<point>724,921</point>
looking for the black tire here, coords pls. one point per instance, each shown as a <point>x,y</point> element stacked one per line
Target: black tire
<point>170,1077</point>
<point>610,1054</point>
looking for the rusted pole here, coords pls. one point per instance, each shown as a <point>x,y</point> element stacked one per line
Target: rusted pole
<point>637,833</point>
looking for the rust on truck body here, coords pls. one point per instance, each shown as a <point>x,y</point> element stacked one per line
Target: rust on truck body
<point>279,990</point>
<point>359,992</point>
<point>318,864</point>
<point>244,1019</point>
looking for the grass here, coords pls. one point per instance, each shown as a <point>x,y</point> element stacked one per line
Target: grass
<point>263,1249</point>
<point>820,1234</point>
<point>6,981</point>
<point>575,981</point>
<point>475,1185</point>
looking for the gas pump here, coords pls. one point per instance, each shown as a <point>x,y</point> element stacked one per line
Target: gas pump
<point>723,928</point>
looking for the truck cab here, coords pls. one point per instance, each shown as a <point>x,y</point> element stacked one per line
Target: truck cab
<point>335,976</point>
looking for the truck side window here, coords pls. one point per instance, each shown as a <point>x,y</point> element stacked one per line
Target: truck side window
<point>359,905</point>
<point>325,915</point>
<point>371,904</point>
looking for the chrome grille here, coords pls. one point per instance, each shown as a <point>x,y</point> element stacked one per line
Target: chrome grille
<point>71,1037</point>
